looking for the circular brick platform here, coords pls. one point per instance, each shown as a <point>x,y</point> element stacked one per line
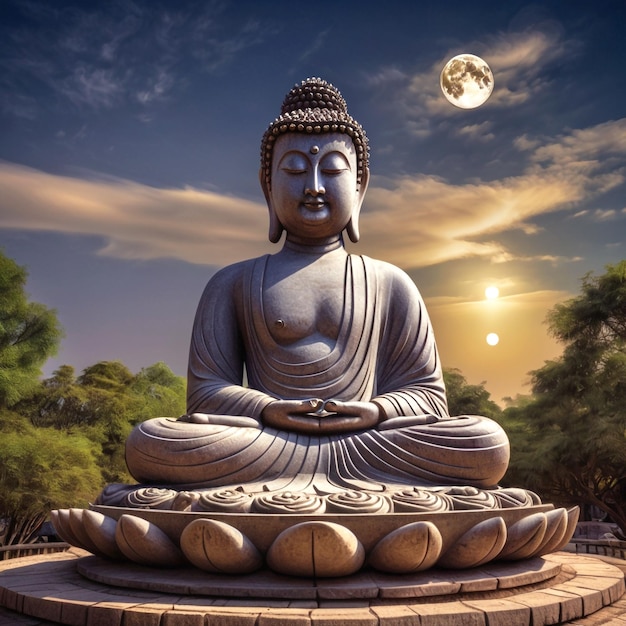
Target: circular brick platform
<point>554,589</point>
<point>364,585</point>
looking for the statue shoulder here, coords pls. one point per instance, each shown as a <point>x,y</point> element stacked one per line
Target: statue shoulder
<point>394,279</point>
<point>233,274</point>
<point>228,281</point>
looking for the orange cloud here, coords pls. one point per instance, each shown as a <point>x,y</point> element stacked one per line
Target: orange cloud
<point>412,221</point>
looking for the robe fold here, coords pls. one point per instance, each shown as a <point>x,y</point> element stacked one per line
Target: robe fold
<point>385,352</point>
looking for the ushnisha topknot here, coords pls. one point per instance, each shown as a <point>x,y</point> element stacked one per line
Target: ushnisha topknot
<point>314,106</point>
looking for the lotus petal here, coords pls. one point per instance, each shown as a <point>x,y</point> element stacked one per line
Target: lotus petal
<point>101,531</point>
<point>480,544</point>
<point>524,537</point>
<point>572,520</point>
<point>78,530</point>
<point>555,532</point>
<point>217,547</point>
<point>60,519</point>
<point>145,543</point>
<point>316,549</point>
<point>411,548</point>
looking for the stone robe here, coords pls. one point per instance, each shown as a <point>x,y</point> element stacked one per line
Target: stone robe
<point>385,351</point>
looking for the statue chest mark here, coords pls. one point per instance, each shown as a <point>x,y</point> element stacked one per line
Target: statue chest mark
<point>294,317</point>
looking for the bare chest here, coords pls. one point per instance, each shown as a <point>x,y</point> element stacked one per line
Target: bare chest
<point>306,308</point>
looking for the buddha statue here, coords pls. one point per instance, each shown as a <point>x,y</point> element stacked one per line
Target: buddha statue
<point>317,439</point>
<point>344,383</point>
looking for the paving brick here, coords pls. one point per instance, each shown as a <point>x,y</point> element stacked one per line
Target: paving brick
<point>222,616</point>
<point>343,617</point>
<point>543,608</point>
<point>502,612</point>
<point>395,615</point>
<point>182,618</point>
<point>571,604</point>
<point>42,607</point>
<point>74,614</point>
<point>104,614</point>
<point>280,617</point>
<point>140,616</point>
<point>591,598</point>
<point>449,614</point>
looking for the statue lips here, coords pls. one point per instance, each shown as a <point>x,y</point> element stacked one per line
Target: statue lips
<point>314,205</point>
<point>315,210</point>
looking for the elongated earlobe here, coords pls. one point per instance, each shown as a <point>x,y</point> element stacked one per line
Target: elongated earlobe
<point>276,228</point>
<point>352,228</point>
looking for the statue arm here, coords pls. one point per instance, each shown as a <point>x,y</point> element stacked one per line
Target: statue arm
<point>410,381</point>
<point>216,356</point>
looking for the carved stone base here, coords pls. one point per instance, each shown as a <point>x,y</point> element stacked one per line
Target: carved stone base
<point>322,545</point>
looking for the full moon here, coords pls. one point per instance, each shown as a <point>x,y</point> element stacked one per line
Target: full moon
<point>493,339</point>
<point>466,81</point>
<point>492,292</point>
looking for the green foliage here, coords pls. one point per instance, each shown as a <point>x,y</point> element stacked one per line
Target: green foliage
<point>104,403</point>
<point>29,334</point>
<point>466,399</point>
<point>59,447</point>
<point>159,391</point>
<point>62,439</point>
<point>569,438</point>
<point>41,468</point>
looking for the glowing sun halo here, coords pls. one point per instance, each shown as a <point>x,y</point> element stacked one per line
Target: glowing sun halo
<point>493,339</point>
<point>466,81</point>
<point>492,292</point>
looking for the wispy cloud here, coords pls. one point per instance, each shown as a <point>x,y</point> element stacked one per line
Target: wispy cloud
<point>586,146</point>
<point>95,87</point>
<point>314,46</point>
<point>136,221</point>
<point>518,61</point>
<point>411,221</point>
<point>479,132</point>
<point>425,220</point>
<point>102,58</point>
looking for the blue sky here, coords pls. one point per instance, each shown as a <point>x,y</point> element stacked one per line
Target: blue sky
<point>130,151</point>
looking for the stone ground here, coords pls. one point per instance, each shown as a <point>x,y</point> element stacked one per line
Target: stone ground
<point>614,615</point>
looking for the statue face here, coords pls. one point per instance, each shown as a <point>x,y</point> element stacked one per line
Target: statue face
<point>314,190</point>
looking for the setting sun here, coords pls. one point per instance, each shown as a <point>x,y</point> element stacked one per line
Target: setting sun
<point>492,292</point>
<point>493,339</point>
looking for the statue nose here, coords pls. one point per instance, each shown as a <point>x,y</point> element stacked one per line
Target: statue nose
<point>314,185</point>
<point>315,191</point>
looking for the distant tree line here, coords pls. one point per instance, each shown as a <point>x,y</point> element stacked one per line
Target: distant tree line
<point>62,438</point>
<point>568,438</point>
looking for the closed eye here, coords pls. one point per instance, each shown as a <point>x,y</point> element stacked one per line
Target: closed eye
<point>294,163</point>
<point>334,164</point>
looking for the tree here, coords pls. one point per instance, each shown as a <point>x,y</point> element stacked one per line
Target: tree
<point>159,391</point>
<point>62,439</point>
<point>29,334</point>
<point>42,468</point>
<point>571,434</point>
<point>60,446</point>
<point>466,399</point>
<point>60,401</point>
<point>104,403</point>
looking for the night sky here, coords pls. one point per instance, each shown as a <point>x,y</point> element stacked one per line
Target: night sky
<point>129,156</point>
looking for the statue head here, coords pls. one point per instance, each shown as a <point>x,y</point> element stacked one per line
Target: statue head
<point>315,108</point>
